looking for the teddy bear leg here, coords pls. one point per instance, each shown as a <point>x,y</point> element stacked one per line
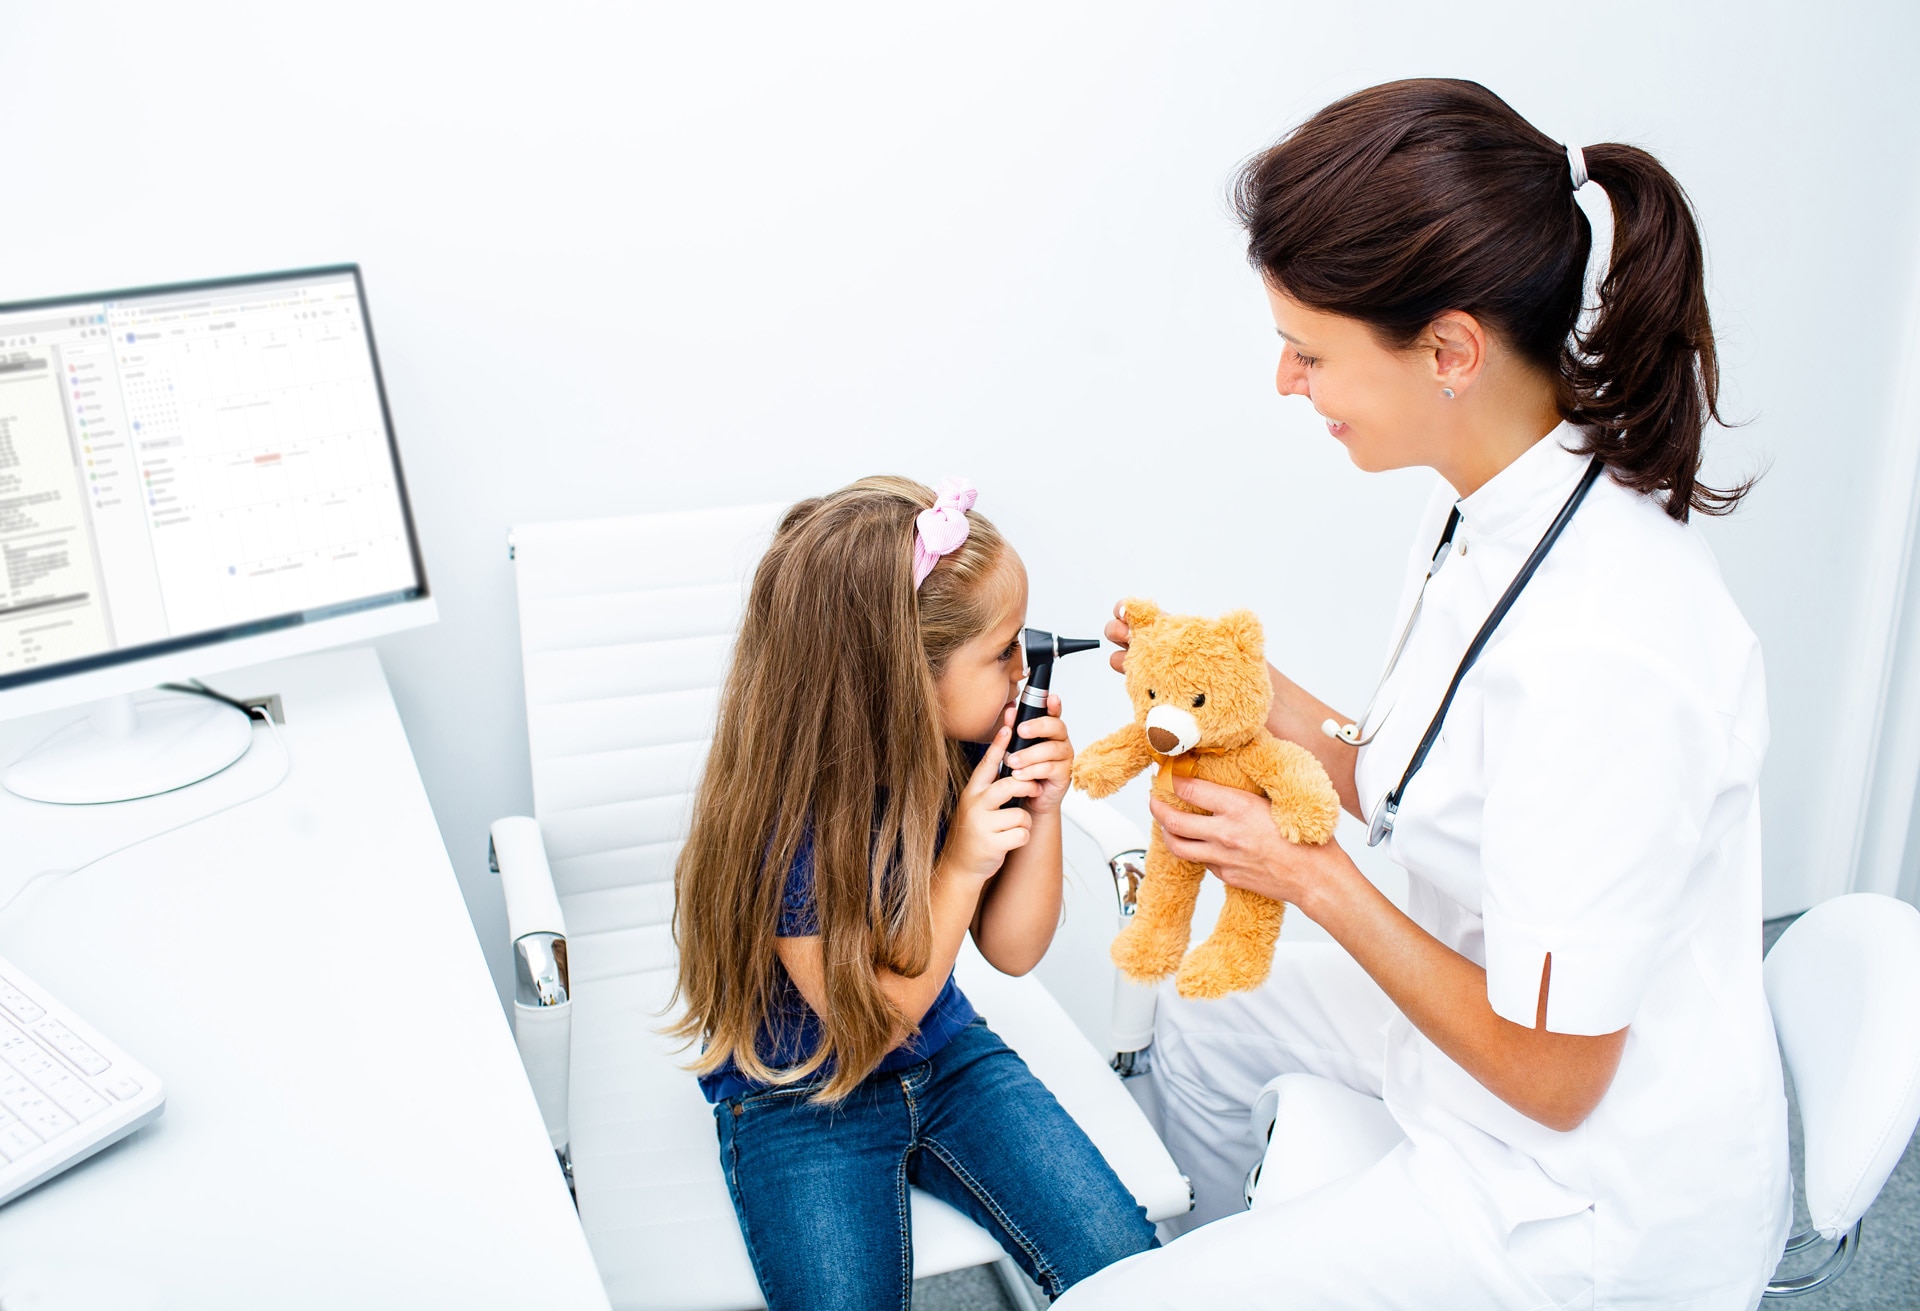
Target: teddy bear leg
<point>1238,953</point>
<point>1150,947</point>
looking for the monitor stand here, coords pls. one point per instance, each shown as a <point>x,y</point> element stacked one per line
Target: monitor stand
<point>127,749</point>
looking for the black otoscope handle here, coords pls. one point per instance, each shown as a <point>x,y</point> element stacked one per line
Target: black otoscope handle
<point>1033,704</point>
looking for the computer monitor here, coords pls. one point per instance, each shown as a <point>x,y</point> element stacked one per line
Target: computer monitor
<point>192,478</point>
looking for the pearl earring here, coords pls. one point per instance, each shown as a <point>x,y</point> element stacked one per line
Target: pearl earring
<point>1447,392</point>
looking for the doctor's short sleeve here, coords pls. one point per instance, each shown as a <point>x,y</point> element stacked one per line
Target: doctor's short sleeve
<point>1603,772</point>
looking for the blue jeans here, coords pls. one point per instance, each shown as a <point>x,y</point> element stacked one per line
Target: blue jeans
<point>821,1191</point>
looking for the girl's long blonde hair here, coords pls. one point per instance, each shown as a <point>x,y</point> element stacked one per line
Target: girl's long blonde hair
<point>829,724</point>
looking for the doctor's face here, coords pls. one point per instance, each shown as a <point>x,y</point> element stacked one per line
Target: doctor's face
<point>1377,402</point>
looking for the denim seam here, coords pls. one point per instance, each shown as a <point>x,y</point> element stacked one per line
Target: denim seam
<point>1049,1276</point>
<point>905,1202</point>
<point>739,1207</point>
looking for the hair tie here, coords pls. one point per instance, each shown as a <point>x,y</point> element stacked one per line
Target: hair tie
<point>1577,163</point>
<point>941,529</point>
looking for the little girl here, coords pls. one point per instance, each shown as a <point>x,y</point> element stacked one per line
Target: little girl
<point>848,834</point>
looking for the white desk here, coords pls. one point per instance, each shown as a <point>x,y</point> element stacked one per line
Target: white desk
<point>347,1124</point>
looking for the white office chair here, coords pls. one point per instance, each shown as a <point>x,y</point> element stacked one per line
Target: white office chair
<point>625,628</point>
<point>1844,985</point>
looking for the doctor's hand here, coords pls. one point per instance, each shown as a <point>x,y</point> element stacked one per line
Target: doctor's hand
<point>1120,633</point>
<point>1240,842</point>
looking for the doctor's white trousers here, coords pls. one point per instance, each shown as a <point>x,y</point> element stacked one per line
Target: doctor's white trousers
<point>1407,1232</point>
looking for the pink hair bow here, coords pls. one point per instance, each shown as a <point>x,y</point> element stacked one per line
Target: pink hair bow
<point>941,530</point>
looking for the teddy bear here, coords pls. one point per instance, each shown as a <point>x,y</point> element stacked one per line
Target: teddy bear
<point>1200,698</point>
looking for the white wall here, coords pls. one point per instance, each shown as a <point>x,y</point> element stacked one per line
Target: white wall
<point>623,258</point>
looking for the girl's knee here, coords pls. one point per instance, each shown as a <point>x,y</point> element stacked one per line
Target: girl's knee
<point>1111,1236</point>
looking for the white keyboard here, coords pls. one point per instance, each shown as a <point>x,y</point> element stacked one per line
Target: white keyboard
<point>65,1092</point>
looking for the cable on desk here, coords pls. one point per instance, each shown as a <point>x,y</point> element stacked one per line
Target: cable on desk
<point>194,687</point>
<point>286,768</point>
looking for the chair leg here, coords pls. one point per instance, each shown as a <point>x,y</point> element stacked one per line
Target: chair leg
<point>1019,1291</point>
<point>565,1156</point>
<point>1837,1261</point>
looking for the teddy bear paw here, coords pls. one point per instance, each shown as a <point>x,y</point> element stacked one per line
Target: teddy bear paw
<point>1145,956</point>
<point>1216,969</point>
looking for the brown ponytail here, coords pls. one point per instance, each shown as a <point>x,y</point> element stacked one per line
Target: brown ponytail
<point>1413,198</point>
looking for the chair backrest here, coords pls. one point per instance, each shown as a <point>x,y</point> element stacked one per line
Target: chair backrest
<point>625,629</point>
<point>1844,985</point>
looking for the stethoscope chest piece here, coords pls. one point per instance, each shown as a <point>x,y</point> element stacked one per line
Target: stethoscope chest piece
<point>1384,812</point>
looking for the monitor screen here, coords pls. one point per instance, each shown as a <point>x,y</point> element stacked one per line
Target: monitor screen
<point>191,464</point>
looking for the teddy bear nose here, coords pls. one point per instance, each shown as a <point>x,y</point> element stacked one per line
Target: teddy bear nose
<point>1171,731</point>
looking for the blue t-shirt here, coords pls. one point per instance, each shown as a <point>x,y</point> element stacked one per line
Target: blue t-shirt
<point>791,1030</point>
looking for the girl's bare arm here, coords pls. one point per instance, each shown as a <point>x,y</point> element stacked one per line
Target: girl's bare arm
<point>980,834</point>
<point>1021,906</point>
<point>955,898</point>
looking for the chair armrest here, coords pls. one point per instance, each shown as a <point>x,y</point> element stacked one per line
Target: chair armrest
<point>1111,831</point>
<point>543,1000</point>
<point>519,855</point>
<point>1124,848</point>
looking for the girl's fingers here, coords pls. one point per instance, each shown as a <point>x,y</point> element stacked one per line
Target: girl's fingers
<point>1045,728</point>
<point>1011,817</point>
<point>989,766</point>
<point>1041,752</point>
<point>998,793</point>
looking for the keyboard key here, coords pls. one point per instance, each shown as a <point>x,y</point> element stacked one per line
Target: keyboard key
<point>38,1113</point>
<point>73,1097</point>
<point>124,1089</point>
<point>71,1045</point>
<point>16,1140</point>
<point>13,1087</point>
<point>33,1062</point>
<point>17,1002</point>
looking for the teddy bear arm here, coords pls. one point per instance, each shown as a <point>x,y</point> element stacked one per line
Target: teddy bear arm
<point>1105,767</point>
<point>1305,806</point>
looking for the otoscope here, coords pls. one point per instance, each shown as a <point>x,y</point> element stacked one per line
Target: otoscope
<point>1042,649</point>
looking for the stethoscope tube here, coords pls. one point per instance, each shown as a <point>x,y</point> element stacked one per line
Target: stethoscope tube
<point>1388,809</point>
<point>1355,734</point>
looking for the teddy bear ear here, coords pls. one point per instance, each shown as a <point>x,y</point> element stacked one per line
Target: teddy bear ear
<point>1140,612</point>
<point>1243,626</point>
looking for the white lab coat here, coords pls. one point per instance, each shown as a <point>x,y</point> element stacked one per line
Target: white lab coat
<point>1593,797</point>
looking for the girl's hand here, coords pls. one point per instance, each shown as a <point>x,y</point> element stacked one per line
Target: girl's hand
<point>1240,843</point>
<point>1120,633</point>
<point>1048,762</point>
<point>980,833</point>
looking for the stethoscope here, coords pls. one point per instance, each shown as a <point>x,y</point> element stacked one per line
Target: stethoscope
<point>1388,808</point>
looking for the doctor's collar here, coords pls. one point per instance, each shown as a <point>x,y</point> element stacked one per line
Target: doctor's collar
<point>1528,491</point>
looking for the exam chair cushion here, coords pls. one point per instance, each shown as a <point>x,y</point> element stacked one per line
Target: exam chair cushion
<point>1844,985</point>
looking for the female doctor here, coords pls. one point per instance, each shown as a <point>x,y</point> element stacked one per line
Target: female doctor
<point>1567,1020</point>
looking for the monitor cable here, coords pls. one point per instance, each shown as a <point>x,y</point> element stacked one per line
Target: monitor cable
<point>192,688</point>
